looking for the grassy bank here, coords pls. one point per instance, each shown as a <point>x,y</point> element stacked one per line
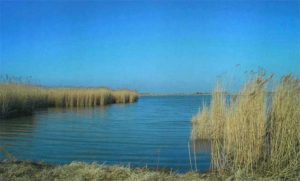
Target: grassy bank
<point>20,99</point>
<point>19,170</point>
<point>254,133</point>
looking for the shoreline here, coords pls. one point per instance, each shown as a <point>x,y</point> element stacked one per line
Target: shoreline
<point>24,170</point>
<point>29,170</point>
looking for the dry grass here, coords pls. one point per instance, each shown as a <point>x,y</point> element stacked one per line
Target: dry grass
<point>245,127</point>
<point>285,127</point>
<point>19,170</point>
<point>19,99</point>
<point>201,125</point>
<point>247,137</point>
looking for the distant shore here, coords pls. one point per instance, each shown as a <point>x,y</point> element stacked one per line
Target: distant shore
<point>175,94</point>
<point>191,94</point>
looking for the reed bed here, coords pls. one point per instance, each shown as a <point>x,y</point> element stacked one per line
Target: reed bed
<point>19,99</point>
<point>254,132</point>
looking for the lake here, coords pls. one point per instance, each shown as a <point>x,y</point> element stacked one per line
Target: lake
<point>153,133</point>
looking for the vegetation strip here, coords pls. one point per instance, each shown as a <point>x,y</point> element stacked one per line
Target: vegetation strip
<point>23,170</point>
<point>20,99</point>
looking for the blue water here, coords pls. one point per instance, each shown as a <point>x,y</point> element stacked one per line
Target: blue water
<point>153,133</point>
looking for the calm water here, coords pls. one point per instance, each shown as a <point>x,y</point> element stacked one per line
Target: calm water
<point>153,132</point>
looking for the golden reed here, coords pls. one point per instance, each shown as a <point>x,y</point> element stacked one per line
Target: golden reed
<point>254,132</point>
<point>20,99</point>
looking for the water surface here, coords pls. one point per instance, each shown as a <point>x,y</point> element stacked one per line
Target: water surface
<point>153,132</point>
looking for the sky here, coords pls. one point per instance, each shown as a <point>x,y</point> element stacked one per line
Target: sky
<point>148,46</point>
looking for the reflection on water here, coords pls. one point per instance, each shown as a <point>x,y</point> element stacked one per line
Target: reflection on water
<point>153,132</point>
<point>15,128</point>
<point>13,131</point>
<point>201,145</point>
<point>199,153</point>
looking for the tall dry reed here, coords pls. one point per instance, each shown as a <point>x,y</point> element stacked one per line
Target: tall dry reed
<point>248,136</point>
<point>285,127</point>
<point>245,127</point>
<point>201,125</point>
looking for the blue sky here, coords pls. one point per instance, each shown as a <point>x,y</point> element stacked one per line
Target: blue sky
<point>150,46</point>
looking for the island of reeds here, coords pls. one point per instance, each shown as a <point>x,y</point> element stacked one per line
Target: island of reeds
<point>21,99</point>
<point>254,133</point>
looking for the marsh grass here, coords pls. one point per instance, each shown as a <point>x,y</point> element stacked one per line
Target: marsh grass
<point>249,138</point>
<point>24,170</point>
<point>20,99</point>
<point>285,127</point>
<point>201,125</point>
